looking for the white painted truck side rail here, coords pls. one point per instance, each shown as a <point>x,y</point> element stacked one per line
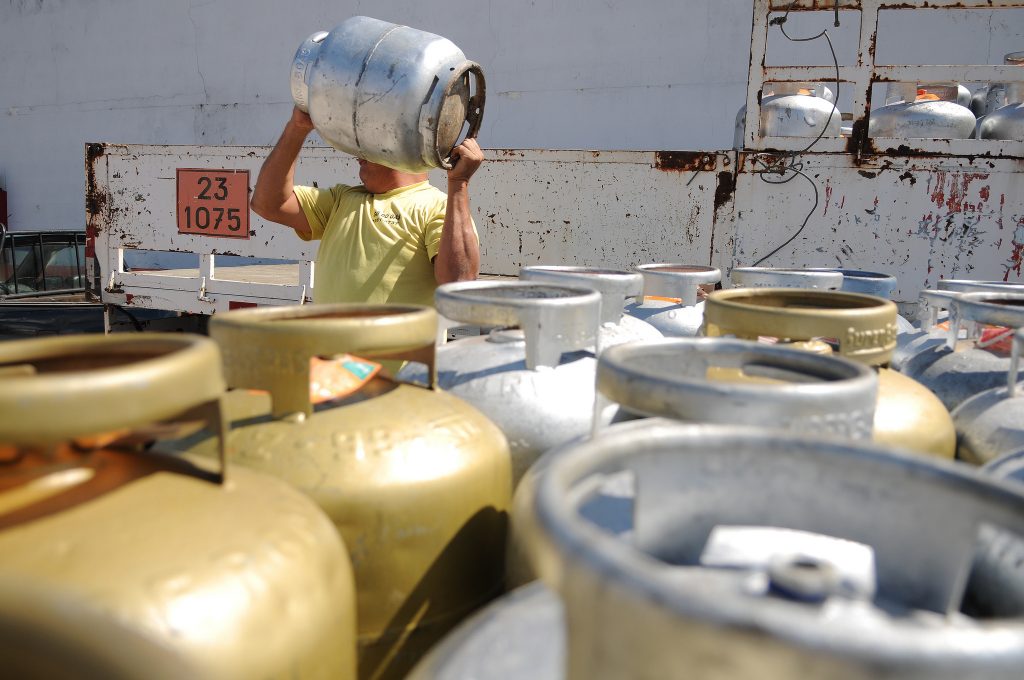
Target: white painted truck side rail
<point>920,218</point>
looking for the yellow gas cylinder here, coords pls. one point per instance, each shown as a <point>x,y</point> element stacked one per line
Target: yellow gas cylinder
<point>860,327</point>
<point>417,481</point>
<point>118,562</point>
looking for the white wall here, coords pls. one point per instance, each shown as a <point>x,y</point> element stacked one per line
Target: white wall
<point>592,74</point>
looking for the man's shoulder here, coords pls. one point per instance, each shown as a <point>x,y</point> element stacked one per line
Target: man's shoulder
<point>339,190</point>
<point>425,195</point>
<point>336,191</point>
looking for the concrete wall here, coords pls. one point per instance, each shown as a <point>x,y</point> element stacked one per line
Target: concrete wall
<point>584,74</point>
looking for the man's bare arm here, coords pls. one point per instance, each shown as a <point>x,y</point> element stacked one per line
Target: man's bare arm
<point>458,255</point>
<point>273,198</point>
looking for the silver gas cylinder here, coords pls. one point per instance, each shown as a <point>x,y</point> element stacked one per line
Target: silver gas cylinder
<point>520,636</point>
<point>710,380</point>
<point>877,284</point>
<point>930,113</point>
<point>533,375</point>
<point>758,554</point>
<point>774,93</point>
<point>388,93</point>
<point>991,423</point>
<point>961,368</point>
<point>868,283</point>
<point>615,287</point>
<point>671,301</point>
<point>794,110</point>
<point>986,101</point>
<point>786,277</point>
<point>963,96</point>
<point>980,286</point>
<point>1007,122</point>
<point>932,327</point>
<point>978,102</point>
<point>928,333</point>
<point>724,380</point>
<point>1009,467</point>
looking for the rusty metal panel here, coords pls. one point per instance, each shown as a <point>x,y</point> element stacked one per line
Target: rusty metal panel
<point>131,200</point>
<point>139,191</point>
<point>607,208</point>
<point>918,218</point>
<point>828,5</point>
<point>768,16</point>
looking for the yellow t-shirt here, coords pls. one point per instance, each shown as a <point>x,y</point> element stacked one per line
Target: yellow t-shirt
<point>375,247</point>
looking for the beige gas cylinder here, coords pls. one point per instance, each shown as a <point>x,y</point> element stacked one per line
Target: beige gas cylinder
<point>860,327</point>
<point>416,481</point>
<point>118,562</point>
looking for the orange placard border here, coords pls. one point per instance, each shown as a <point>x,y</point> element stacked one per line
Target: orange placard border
<point>243,234</point>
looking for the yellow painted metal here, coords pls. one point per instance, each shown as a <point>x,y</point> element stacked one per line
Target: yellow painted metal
<point>910,416</point>
<point>91,384</point>
<point>861,327</point>
<point>116,562</point>
<point>417,481</point>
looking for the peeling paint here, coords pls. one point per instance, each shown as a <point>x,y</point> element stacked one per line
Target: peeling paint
<point>684,161</point>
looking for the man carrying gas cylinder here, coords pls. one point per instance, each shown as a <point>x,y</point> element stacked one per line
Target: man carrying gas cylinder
<point>394,238</point>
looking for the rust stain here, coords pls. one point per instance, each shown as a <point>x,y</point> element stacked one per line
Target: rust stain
<point>828,194</point>
<point>938,196</point>
<point>811,5</point>
<point>1013,264</point>
<point>984,192</point>
<point>683,161</point>
<point>96,199</point>
<point>959,186</point>
<point>724,189</point>
<point>1015,261</point>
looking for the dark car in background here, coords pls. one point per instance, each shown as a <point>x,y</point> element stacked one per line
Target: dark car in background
<point>34,263</point>
<point>42,288</point>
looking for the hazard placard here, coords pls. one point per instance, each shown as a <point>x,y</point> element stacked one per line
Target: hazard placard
<point>213,202</point>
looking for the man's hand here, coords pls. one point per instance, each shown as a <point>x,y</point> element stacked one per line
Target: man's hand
<point>273,197</point>
<point>467,158</point>
<point>301,121</point>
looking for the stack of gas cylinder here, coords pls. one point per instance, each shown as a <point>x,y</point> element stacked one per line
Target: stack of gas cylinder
<point>627,474</point>
<point>756,494</point>
<point>910,111</point>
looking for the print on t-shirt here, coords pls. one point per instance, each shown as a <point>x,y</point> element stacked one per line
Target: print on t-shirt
<point>391,219</point>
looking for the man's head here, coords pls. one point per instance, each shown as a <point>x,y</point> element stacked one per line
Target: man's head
<point>379,179</point>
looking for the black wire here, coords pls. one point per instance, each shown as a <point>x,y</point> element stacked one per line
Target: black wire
<point>814,208</point>
<point>788,163</point>
<point>131,317</point>
<point>835,97</point>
